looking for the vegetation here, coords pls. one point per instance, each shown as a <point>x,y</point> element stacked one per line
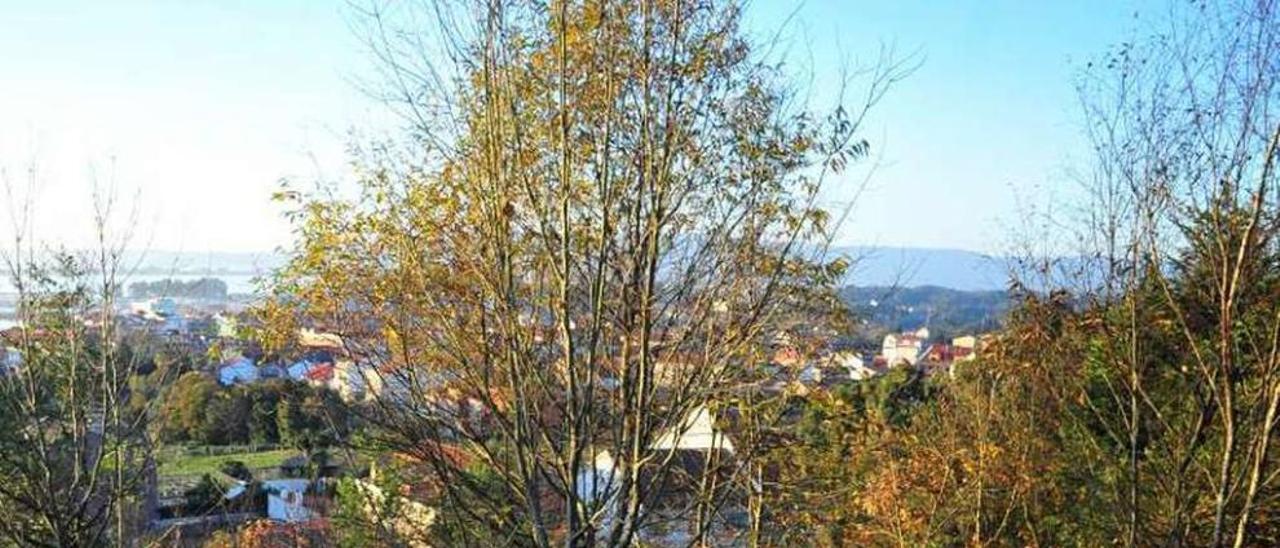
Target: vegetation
<point>601,210</point>
<point>603,222</point>
<point>1131,398</point>
<point>196,409</point>
<point>75,453</point>
<point>203,288</point>
<point>181,462</point>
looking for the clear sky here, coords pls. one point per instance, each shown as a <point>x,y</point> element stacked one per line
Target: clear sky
<point>202,106</point>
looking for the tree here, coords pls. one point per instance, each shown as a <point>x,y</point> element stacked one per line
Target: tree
<point>603,212</point>
<point>184,413</point>
<point>203,288</point>
<point>310,420</point>
<point>264,402</point>
<point>205,496</point>
<point>75,455</point>
<point>236,469</point>
<point>226,418</point>
<point>1186,137</point>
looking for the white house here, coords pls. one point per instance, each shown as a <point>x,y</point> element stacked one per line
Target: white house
<point>854,364</point>
<point>696,431</point>
<point>903,347</point>
<point>965,348</point>
<point>691,443</point>
<point>597,482</point>
<point>237,371</point>
<point>285,500</point>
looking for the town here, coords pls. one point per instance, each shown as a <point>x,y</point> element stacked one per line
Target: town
<point>282,473</point>
<point>689,273</point>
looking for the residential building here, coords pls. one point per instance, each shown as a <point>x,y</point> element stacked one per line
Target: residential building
<point>286,500</point>
<point>964,348</point>
<point>237,371</point>
<point>903,348</point>
<point>850,361</point>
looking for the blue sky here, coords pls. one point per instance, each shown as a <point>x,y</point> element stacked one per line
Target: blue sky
<point>202,106</point>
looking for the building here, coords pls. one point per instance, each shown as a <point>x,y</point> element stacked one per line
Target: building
<point>10,360</point>
<point>696,432</point>
<point>858,368</point>
<point>787,356</point>
<point>238,371</point>
<point>315,340</point>
<point>286,500</point>
<point>939,353</point>
<point>903,348</point>
<point>964,348</point>
<point>155,309</point>
<point>694,449</point>
<point>321,375</point>
<point>302,370</point>
<point>811,374</point>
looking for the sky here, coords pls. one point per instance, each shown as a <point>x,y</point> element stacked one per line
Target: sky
<point>193,111</point>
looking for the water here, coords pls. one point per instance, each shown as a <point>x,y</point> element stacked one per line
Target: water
<point>236,283</point>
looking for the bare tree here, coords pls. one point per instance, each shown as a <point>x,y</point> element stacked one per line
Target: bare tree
<point>77,457</point>
<point>1182,240</point>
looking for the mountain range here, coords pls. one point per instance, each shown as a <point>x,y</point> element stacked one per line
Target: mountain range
<point>875,266</point>
<point>872,266</point>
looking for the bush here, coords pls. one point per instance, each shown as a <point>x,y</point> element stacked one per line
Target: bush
<point>237,470</point>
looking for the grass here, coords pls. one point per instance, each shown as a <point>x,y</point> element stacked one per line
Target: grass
<point>178,463</point>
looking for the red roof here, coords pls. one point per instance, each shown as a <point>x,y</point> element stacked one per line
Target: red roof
<point>322,372</point>
<point>939,352</point>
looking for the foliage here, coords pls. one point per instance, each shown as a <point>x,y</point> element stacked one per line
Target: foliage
<point>203,288</point>
<point>602,211</point>
<point>74,452</point>
<point>205,496</point>
<point>236,469</point>
<point>197,409</point>
<point>270,534</point>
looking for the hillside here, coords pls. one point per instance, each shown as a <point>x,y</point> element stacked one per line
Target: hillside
<point>947,312</point>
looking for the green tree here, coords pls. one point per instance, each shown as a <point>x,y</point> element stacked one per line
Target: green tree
<point>205,496</point>
<point>75,452</point>
<point>236,469</point>
<point>263,425</point>
<point>183,413</point>
<point>226,418</point>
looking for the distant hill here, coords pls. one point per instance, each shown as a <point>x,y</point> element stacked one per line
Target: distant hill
<point>203,264</point>
<point>917,267</point>
<point>946,312</point>
<point>873,266</point>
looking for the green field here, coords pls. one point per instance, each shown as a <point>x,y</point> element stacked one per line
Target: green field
<point>178,463</point>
